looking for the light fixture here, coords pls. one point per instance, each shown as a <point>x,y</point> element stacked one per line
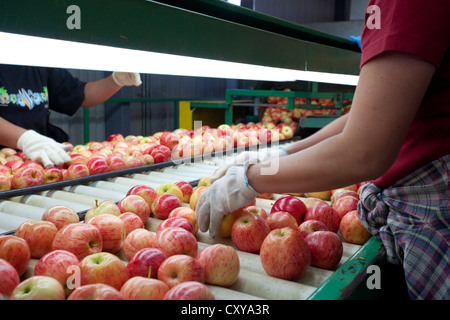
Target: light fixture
<point>38,51</point>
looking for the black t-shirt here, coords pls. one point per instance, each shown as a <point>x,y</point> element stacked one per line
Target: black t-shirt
<point>28,93</point>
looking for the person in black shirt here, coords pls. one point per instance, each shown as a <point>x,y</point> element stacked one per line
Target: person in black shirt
<point>27,94</point>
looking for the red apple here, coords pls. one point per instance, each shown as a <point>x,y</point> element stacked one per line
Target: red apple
<point>112,230</point>
<point>326,249</point>
<point>169,139</point>
<point>343,205</point>
<point>169,188</point>
<point>145,263</point>
<point>52,174</point>
<point>138,239</point>
<point>180,268</point>
<point>309,226</point>
<point>39,288</point>
<point>77,170</point>
<point>16,251</point>
<point>256,210</point>
<point>27,177</point>
<point>131,222</point>
<point>146,192</point>
<point>164,204</point>
<point>267,195</point>
<point>115,161</point>
<point>60,216</point>
<point>195,195</point>
<point>96,291</point>
<point>39,235</point>
<point>32,164</point>
<point>248,232</point>
<point>10,278</point>
<point>291,204</point>
<point>97,165</point>
<point>285,254</point>
<point>176,222</point>
<point>326,214</point>
<point>103,207</point>
<point>77,158</point>
<point>57,264</point>
<point>186,189</point>
<point>82,239</point>
<point>136,204</point>
<point>281,219</point>
<point>185,212</point>
<point>176,240</point>
<point>220,264</point>
<point>5,181</point>
<point>103,267</point>
<point>115,137</point>
<point>309,202</point>
<point>141,288</point>
<point>338,193</point>
<point>352,230</point>
<point>132,161</point>
<point>189,290</point>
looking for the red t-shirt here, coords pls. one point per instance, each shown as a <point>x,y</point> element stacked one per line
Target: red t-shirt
<point>421,28</point>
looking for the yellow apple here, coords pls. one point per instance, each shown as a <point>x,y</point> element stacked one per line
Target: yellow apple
<point>170,188</point>
<point>227,223</point>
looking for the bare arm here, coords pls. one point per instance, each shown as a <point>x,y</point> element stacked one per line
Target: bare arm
<point>389,92</point>
<point>96,92</point>
<point>10,133</point>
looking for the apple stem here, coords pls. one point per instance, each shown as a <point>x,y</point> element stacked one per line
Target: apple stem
<point>150,271</point>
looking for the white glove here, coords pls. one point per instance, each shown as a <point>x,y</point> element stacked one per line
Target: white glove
<point>227,194</point>
<point>127,78</point>
<point>43,149</point>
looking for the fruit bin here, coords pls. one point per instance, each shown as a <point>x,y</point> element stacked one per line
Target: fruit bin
<point>348,280</point>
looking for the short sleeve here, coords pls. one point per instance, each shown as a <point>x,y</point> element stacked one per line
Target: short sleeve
<point>418,27</point>
<point>66,93</point>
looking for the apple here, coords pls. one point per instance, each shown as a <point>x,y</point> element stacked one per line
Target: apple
<point>112,230</point>
<point>131,222</point>
<point>82,239</point>
<point>141,288</point>
<point>338,193</point>
<point>136,204</point>
<point>180,268</point>
<point>309,226</point>
<point>228,221</point>
<point>39,235</point>
<point>77,158</point>
<point>96,291</point>
<point>287,131</point>
<point>164,204</point>
<point>131,161</point>
<point>60,215</point>
<point>103,267</point>
<point>324,195</point>
<point>326,214</point>
<point>145,263</point>
<point>187,213</point>
<point>281,219</point>
<point>326,249</point>
<point>13,165</point>
<point>169,139</point>
<point>291,204</point>
<point>5,181</point>
<point>343,205</point>
<point>32,163</point>
<point>97,165</point>
<point>56,264</point>
<point>115,161</point>
<point>52,174</point>
<point>39,288</point>
<point>352,230</point>
<point>309,202</point>
<point>256,210</point>
<point>352,187</point>
<point>186,189</point>
<point>267,195</point>
<point>138,239</point>
<point>16,251</point>
<point>176,240</point>
<point>285,254</point>
<point>103,207</point>
<point>146,192</point>
<point>115,137</point>
<point>27,177</point>
<point>77,170</point>
<point>220,264</point>
<point>248,232</point>
<point>176,222</point>
<point>204,182</point>
<point>189,290</point>
<point>195,195</point>
<point>170,188</point>
<point>10,278</point>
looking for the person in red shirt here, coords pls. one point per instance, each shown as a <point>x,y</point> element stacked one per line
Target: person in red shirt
<point>397,135</point>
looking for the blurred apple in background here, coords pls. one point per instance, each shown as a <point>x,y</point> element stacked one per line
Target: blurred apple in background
<point>352,230</point>
<point>96,291</point>
<point>248,232</point>
<point>102,207</point>
<point>52,174</point>
<point>10,278</point>
<point>16,251</point>
<point>112,230</point>
<point>180,268</point>
<point>77,170</point>
<point>285,254</point>
<point>82,239</point>
<point>326,214</point>
<point>141,288</point>
<point>176,240</point>
<point>131,222</point>
<point>138,239</point>
<point>60,216</point>
<point>39,288</point>
<point>164,204</point>
<point>5,182</point>
<point>136,204</point>
<point>326,249</point>
<point>115,161</point>
<point>189,290</point>
<point>39,235</point>
<point>323,195</point>
<point>204,182</point>
<point>309,202</point>
<point>145,263</point>
<point>97,164</point>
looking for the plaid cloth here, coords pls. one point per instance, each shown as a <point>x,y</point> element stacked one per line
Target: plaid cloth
<point>412,218</point>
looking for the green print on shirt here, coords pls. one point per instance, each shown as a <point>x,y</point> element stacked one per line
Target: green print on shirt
<point>23,98</point>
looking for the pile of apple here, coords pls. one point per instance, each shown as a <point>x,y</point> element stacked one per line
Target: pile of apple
<point>111,255</point>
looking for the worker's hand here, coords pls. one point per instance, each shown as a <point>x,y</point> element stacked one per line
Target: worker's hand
<point>127,78</point>
<point>225,195</point>
<point>43,149</point>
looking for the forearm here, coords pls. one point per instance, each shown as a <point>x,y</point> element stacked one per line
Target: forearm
<point>10,133</point>
<point>97,92</point>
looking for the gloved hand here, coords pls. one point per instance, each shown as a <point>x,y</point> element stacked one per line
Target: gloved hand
<point>43,149</point>
<point>127,78</point>
<point>225,195</point>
